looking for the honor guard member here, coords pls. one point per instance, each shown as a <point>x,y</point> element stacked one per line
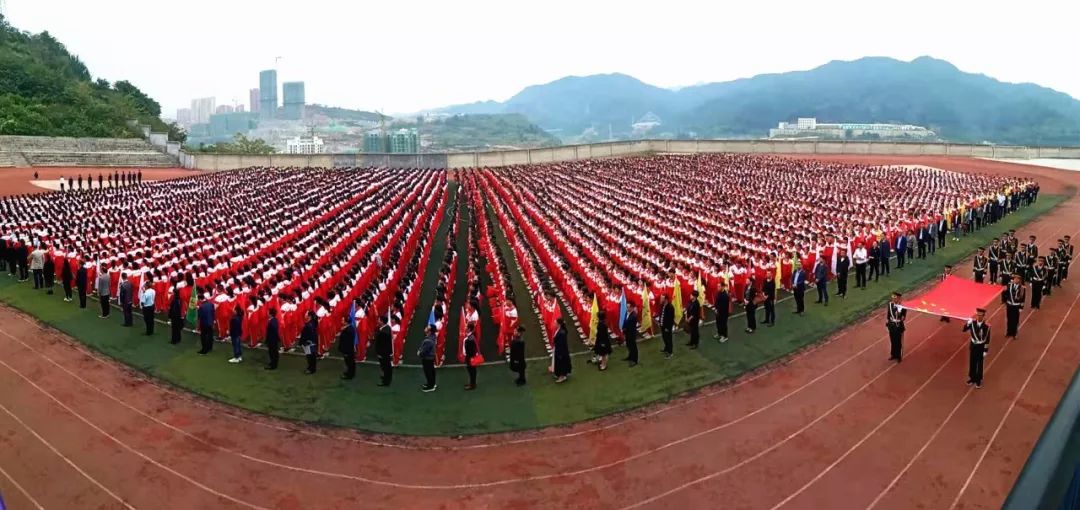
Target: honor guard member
<point>979,346</point>
<point>1013,296</point>
<point>1051,271</point>
<point>1021,264</point>
<point>995,258</point>
<point>1066,256</point>
<point>1006,268</point>
<point>980,265</point>
<point>894,321</point>
<point>1038,282</point>
<point>1032,248</point>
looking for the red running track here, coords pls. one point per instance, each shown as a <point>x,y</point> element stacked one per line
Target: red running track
<point>837,426</point>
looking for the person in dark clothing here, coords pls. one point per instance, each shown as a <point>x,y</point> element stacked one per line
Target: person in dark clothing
<point>667,326</point>
<point>693,320</point>
<point>560,359</point>
<point>50,274</point>
<point>99,181</point>
<point>309,341</point>
<point>750,297</point>
<point>347,348</point>
<point>66,279</point>
<point>384,349</point>
<point>798,289</point>
<point>517,355</point>
<point>147,299</point>
<point>236,330</point>
<point>426,352</point>
<point>81,283</point>
<point>273,340</point>
<point>980,265</point>
<point>901,250</point>
<point>768,291</point>
<point>895,315</point>
<point>722,303</point>
<point>126,298</point>
<point>821,282</point>
<point>140,176</point>
<point>176,318</point>
<point>843,265</point>
<point>1038,282</point>
<point>206,326</point>
<point>471,360</point>
<point>630,332</point>
<point>884,252</point>
<point>979,346</point>
<point>602,345</point>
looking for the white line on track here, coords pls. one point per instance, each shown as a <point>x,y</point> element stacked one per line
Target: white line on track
<point>64,457</point>
<point>118,442</point>
<point>1012,405</point>
<point>21,489</point>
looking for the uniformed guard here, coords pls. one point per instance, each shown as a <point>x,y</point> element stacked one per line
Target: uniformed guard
<point>1066,256</point>
<point>1051,271</point>
<point>1006,268</point>
<point>1021,264</point>
<point>1013,296</point>
<point>1032,248</point>
<point>895,316</point>
<point>979,347</point>
<point>1038,282</point>
<point>980,265</point>
<point>995,258</point>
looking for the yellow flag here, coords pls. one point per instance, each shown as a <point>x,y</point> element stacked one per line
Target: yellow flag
<point>779,277</point>
<point>646,312</point>
<point>676,300</point>
<point>700,288</point>
<point>594,320</point>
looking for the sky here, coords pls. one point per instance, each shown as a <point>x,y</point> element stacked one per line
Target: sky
<point>405,56</point>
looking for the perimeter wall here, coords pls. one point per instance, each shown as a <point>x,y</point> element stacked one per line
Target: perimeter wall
<point>214,162</point>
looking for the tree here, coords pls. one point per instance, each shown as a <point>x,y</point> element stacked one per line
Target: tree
<point>241,144</point>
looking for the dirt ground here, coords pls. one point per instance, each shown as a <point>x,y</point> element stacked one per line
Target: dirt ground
<point>18,181</point>
<point>837,426</point>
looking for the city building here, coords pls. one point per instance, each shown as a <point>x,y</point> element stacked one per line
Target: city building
<point>293,97</point>
<point>224,109</point>
<point>809,127</point>
<point>239,108</point>
<point>184,116</point>
<point>304,145</point>
<point>375,143</point>
<point>253,100</point>
<point>224,125</point>
<point>268,98</point>
<point>202,109</point>
<point>404,141</point>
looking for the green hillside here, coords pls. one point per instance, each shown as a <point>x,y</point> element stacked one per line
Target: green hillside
<point>47,91</point>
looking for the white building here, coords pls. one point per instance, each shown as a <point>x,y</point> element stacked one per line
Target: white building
<point>304,145</point>
<point>202,109</point>
<point>809,127</point>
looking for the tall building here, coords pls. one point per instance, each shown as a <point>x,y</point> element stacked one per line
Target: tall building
<point>293,96</point>
<point>239,108</point>
<point>253,100</point>
<point>224,109</point>
<point>202,109</point>
<point>404,141</point>
<point>183,117</point>
<point>375,143</point>
<point>268,102</point>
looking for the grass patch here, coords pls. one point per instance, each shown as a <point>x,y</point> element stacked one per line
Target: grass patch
<point>497,405</point>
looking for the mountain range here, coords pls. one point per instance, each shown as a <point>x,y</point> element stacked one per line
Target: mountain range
<point>959,106</point>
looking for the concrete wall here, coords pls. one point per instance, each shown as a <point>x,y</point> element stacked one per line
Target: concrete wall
<point>159,140</point>
<point>616,149</point>
<point>172,148</point>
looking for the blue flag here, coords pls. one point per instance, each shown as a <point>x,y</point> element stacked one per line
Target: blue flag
<point>622,309</point>
<point>352,322</point>
<point>431,317</point>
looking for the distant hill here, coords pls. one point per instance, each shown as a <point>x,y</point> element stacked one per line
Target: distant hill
<point>47,91</point>
<point>482,131</point>
<point>337,113</point>
<point>926,91</point>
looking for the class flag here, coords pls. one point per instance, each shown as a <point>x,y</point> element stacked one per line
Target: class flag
<point>594,320</point>
<point>622,308</point>
<point>352,322</point>
<point>676,300</point>
<point>646,312</point>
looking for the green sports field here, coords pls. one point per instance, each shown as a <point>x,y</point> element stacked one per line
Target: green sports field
<point>497,404</point>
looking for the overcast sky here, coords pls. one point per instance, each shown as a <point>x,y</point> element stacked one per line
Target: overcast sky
<point>403,56</point>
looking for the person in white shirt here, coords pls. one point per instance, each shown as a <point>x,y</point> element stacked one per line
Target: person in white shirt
<point>147,298</point>
<point>859,258</point>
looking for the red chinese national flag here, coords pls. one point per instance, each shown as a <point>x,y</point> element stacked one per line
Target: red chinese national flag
<point>954,297</point>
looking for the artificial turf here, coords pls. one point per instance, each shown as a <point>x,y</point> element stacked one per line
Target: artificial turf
<point>497,404</point>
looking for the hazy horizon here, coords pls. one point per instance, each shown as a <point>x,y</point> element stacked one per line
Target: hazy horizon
<point>431,54</point>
